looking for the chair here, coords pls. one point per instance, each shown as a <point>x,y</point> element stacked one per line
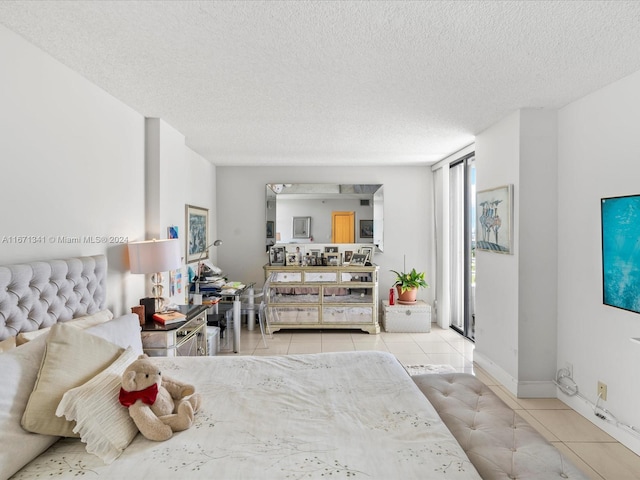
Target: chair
<point>263,312</point>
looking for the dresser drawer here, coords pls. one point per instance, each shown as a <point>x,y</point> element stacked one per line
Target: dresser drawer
<point>316,277</point>
<point>294,315</point>
<point>347,315</point>
<point>286,277</point>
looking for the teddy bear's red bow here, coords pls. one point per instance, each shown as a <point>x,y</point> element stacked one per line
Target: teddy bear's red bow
<point>148,395</point>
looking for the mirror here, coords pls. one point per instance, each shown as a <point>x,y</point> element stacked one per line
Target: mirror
<point>357,207</point>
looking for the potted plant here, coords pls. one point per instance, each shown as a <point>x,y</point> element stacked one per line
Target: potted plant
<point>407,285</point>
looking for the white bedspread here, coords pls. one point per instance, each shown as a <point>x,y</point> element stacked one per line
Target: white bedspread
<point>301,416</point>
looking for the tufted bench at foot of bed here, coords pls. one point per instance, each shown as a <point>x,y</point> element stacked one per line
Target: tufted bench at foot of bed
<point>499,443</point>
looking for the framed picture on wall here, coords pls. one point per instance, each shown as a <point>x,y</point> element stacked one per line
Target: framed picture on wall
<point>197,238</point>
<point>301,227</point>
<point>366,228</point>
<point>494,219</point>
<point>620,218</point>
<point>270,233</point>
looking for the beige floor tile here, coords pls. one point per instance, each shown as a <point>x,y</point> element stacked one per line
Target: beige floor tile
<point>338,347</point>
<point>505,396</point>
<point>339,336</point>
<point>413,358</point>
<point>304,347</point>
<point>423,337</point>
<point>378,347</point>
<point>306,337</point>
<point>437,347</point>
<point>408,348</point>
<point>483,376</point>
<point>396,337</point>
<point>541,429</point>
<point>570,426</point>
<point>577,461</point>
<point>367,339</point>
<point>613,461</point>
<point>361,336</point>
<point>454,359</point>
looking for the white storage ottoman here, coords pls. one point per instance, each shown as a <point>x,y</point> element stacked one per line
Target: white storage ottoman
<point>414,318</point>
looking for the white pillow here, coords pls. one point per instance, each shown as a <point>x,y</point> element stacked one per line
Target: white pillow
<point>72,357</point>
<point>18,372</point>
<point>124,331</point>
<point>102,422</point>
<point>80,322</point>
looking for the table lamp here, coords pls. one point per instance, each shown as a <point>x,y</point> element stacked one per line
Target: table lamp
<point>155,257</point>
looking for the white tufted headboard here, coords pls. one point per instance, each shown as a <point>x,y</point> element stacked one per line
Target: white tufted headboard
<point>37,295</point>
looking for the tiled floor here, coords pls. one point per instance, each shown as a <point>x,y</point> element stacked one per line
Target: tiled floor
<point>600,456</point>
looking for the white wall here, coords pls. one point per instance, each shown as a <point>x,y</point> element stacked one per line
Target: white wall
<point>516,319</point>
<point>72,165</point>
<point>497,163</point>
<point>598,150</point>
<point>408,217</point>
<point>176,177</point>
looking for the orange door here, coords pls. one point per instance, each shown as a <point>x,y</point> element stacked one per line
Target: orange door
<point>343,227</point>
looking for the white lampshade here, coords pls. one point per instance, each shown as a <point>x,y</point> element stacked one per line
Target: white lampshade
<point>153,256</point>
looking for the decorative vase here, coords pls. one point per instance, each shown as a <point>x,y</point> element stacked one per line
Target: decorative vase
<point>409,296</point>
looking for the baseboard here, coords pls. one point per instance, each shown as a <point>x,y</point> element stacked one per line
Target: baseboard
<point>521,389</point>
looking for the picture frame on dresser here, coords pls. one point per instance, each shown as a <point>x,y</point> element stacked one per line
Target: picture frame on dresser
<point>197,238</point>
<point>358,259</point>
<point>277,255</point>
<point>333,259</point>
<point>368,251</point>
<point>347,257</point>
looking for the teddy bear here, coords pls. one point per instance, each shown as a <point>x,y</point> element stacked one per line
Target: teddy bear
<point>157,404</point>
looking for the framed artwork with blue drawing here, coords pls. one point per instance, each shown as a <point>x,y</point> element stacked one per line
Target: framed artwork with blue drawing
<point>197,237</point>
<point>621,252</point>
<point>494,217</point>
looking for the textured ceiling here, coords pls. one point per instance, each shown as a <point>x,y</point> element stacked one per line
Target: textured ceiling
<point>335,82</point>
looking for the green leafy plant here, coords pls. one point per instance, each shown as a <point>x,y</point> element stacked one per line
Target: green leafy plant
<point>410,280</point>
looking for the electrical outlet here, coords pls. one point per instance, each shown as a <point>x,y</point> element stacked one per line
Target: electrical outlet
<point>602,390</point>
<point>569,367</point>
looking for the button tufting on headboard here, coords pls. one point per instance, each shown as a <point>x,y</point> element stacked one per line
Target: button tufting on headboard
<point>39,294</point>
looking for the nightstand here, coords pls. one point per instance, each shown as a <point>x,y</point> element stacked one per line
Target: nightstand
<point>188,338</point>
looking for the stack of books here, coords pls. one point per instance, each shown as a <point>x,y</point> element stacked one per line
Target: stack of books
<point>167,318</point>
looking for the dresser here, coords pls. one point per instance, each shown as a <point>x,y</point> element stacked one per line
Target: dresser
<point>188,338</point>
<point>323,297</point>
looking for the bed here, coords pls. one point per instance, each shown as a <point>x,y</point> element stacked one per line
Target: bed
<point>296,416</point>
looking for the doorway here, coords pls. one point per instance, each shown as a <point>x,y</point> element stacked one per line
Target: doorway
<point>462,236</point>
<point>343,227</point>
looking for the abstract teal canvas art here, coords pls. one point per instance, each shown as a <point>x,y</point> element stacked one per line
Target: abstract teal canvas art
<point>621,252</point>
